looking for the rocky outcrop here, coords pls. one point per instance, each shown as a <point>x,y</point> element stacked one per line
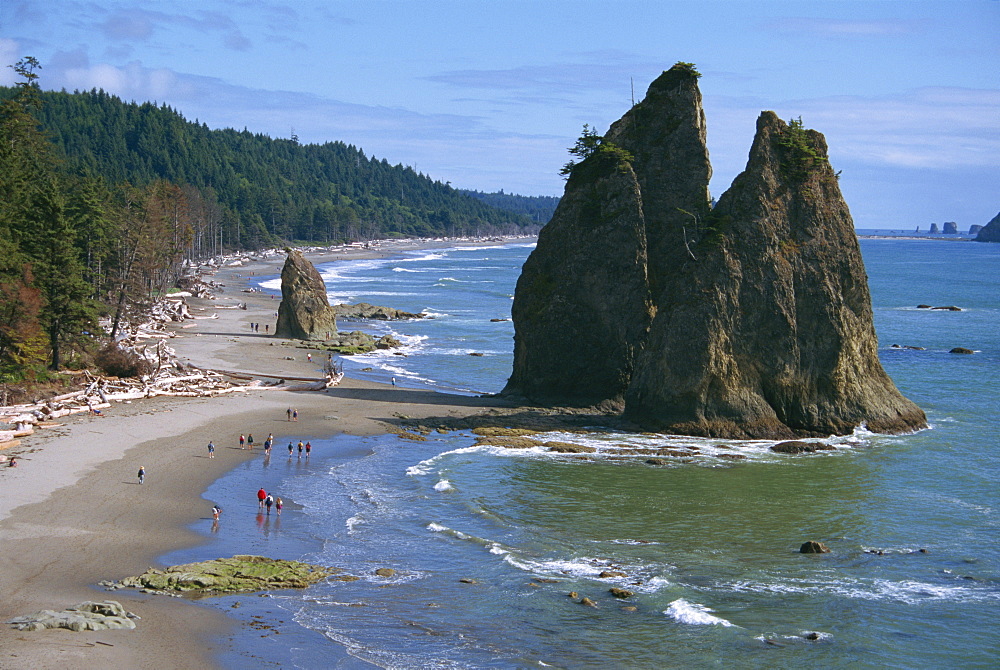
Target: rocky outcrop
<point>813,547</point>
<point>239,574</point>
<point>950,228</point>
<point>990,232</point>
<point>363,310</point>
<point>304,312</point>
<point>89,615</point>
<point>585,298</point>
<point>752,319</point>
<point>934,229</point>
<point>975,228</point>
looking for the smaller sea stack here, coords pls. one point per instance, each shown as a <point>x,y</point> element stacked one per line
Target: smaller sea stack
<point>304,312</point>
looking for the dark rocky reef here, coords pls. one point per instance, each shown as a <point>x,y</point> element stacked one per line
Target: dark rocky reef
<point>749,320</point>
<point>363,310</point>
<point>990,232</point>
<point>304,312</point>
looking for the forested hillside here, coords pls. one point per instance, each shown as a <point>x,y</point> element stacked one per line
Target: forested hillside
<point>267,189</point>
<point>539,208</point>
<point>101,202</point>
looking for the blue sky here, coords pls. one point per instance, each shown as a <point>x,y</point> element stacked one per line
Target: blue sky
<point>489,94</point>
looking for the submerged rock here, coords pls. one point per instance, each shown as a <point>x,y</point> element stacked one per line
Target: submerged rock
<point>304,312</point>
<point>961,350</point>
<point>749,320</point>
<point>238,574</point>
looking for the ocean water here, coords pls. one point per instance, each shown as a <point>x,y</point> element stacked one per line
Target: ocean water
<point>488,544</point>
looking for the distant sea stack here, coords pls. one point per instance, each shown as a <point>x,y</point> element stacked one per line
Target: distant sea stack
<point>304,312</point>
<point>950,228</point>
<point>990,232</point>
<point>749,320</point>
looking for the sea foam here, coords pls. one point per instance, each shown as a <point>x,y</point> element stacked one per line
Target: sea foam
<point>694,614</point>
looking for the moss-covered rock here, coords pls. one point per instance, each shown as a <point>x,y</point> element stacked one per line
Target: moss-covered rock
<point>239,574</point>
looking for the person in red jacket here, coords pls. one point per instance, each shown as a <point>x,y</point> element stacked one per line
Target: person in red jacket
<point>261,495</point>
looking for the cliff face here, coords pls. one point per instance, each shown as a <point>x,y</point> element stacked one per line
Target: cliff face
<point>757,318</point>
<point>586,295</point>
<point>304,312</point>
<point>990,232</point>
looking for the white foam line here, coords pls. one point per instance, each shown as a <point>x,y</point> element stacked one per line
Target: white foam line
<point>695,614</point>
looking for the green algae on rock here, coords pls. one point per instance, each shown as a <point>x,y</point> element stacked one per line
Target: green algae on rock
<point>239,574</point>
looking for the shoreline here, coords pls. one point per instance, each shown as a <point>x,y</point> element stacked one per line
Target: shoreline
<point>73,513</point>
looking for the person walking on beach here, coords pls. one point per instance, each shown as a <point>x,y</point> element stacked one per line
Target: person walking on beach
<point>250,441</point>
<point>261,495</point>
<point>278,504</point>
<point>309,448</point>
<point>290,448</point>
<point>393,381</point>
<point>216,511</point>
<point>288,413</point>
<point>211,449</point>
<point>300,448</point>
<point>243,441</point>
<point>295,415</point>
<point>142,474</point>
<point>268,501</point>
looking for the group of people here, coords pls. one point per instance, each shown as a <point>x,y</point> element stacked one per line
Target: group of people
<point>266,501</point>
<point>307,447</point>
<point>255,328</point>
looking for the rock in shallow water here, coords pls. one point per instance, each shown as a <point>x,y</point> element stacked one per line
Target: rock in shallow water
<point>239,574</point>
<point>813,547</point>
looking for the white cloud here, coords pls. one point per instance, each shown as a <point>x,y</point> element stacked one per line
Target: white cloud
<point>931,128</point>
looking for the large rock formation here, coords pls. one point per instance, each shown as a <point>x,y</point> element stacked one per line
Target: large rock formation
<point>752,319</point>
<point>304,312</point>
<point>990,232</point>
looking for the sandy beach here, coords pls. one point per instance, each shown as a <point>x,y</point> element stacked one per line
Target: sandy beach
<point>73,513</point>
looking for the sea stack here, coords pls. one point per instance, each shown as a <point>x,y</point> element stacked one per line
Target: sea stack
<point>990,232</point>
<point>304,312</point>
<point>749,320</point>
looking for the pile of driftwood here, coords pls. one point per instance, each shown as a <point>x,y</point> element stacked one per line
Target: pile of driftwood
<point>169,377</point>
